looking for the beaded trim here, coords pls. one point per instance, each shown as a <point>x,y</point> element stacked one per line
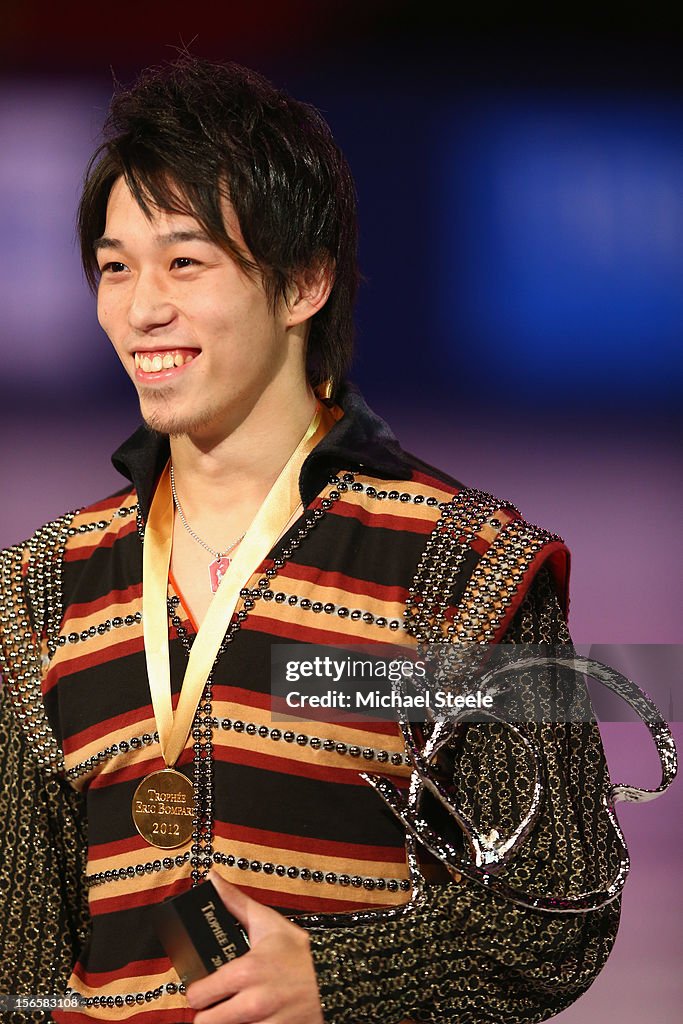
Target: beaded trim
<point>202,748</point>
<point>349,918</point>
<point>104,627</point>
<point>328,607</point>
<point>83,767</point>
<point>495,581</point>
<point>130,999</point>
<point>230,860</point>
<point>306,875</point>
<point>44,575</point>
<point>251,729</point>
<point>347,482</point>
<point>315,742</point>
<point>20,655</point>
<point>443,560</point>
<point>103,524</point>
<point>148,868</point>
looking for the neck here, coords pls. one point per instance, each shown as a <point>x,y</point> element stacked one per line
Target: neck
<point>235,469</point>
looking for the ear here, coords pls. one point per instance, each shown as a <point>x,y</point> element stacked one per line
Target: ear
<point>310,291</point>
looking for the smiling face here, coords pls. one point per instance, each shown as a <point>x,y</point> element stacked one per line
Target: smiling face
<point>194,332</point>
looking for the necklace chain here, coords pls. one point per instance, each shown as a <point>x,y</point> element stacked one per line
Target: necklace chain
<point>195,537</point>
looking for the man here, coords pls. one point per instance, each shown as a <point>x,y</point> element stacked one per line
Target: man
<point>265,503</point>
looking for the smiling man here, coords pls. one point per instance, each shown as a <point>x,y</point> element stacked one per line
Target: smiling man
<point>265,503</point>
<point>218,363</point>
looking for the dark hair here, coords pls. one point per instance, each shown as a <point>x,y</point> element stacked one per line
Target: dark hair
<point>186,135</point>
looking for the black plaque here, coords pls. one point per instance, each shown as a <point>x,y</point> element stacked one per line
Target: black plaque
<point>198,932</point>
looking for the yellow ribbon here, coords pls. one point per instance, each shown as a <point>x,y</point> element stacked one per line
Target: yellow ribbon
<point>270,522</point>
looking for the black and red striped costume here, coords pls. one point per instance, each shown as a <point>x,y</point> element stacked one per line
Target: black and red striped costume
<point>287,816</point>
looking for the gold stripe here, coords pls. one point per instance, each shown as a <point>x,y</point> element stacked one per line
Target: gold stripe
<point>295,754</point>
<point>354,630</point>
<point>122,986</point>
<point>332,594</point>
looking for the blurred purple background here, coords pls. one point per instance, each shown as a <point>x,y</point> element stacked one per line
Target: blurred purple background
<point>520,325</point>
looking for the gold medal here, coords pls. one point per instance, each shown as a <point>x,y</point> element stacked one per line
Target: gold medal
<point>163,809</point>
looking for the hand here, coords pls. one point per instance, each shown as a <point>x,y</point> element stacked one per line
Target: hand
<point>274,983</point>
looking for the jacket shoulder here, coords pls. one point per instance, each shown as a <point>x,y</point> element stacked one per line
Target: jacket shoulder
<point>31,606</point>
<point>480,560</point>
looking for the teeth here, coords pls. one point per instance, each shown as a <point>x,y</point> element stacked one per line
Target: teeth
<point>157,361</point>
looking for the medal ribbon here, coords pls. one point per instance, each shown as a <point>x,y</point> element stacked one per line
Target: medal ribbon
<point>271,520</point>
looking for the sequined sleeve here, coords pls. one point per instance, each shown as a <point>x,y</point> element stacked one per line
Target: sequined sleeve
<point>43,907</point>
<point>42,910</point>
<point>471,956</point>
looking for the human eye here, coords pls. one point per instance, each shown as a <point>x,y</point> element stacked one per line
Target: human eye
<point>113,267</point>
<point>181,262</point>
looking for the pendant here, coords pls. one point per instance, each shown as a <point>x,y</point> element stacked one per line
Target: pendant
<point>163,809</point>
<point>217,570</point>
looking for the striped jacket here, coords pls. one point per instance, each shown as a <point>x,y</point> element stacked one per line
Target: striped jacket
<point>388,551</point>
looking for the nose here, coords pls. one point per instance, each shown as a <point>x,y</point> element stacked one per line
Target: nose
<point>150,305</point>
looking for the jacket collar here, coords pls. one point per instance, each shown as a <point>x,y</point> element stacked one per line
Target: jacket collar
<point>360,439</point>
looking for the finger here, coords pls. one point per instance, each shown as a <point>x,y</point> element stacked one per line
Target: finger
<point>244,1008</point>
<point>237,902</point>
<point>221,984</point>
<point>258,919</point>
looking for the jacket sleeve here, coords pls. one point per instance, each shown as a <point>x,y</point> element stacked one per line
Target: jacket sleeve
<point>469,955</point>
<point>43,913</point>
<point>43,904</point>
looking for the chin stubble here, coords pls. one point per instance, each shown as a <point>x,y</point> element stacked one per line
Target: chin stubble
<point>159,415</point>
